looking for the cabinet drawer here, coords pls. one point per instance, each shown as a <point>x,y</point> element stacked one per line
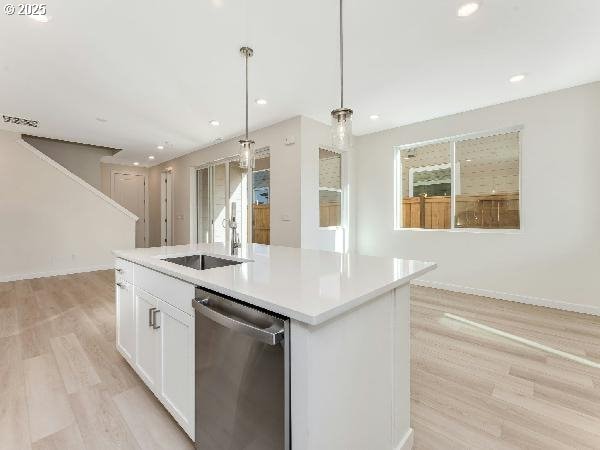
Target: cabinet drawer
<point>123,271</point>
<point>171,290</point>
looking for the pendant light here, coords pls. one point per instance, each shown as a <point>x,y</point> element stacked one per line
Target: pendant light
<point>246,150</point>
<point>341,118</point>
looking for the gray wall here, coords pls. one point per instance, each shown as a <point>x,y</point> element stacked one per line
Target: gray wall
<point>81,159</point>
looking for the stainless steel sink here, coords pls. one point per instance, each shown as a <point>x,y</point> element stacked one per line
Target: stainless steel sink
<point>202,262</point>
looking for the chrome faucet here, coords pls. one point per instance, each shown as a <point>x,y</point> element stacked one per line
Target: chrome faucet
<point>235,238</point>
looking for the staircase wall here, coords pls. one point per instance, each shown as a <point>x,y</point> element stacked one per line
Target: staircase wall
<point>51,221</point>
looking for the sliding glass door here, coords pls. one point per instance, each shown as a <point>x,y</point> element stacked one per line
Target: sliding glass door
<point>221,194</point>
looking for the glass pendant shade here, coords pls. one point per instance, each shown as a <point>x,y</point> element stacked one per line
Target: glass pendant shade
<point>246,154</point>
<point>341,129</point>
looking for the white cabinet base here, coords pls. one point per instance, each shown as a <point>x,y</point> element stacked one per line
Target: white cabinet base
<point>177,362</point>
<point>147,340</point>
<point>349,383</point>
<point>350,387</point>
<point>156,337</point>
<point>125,310</point>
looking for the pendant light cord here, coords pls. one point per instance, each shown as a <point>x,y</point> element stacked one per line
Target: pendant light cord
<point>246,96</point>
<point>341,58</point>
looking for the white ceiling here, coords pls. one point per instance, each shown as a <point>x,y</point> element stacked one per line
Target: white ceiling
<point>160,71</point>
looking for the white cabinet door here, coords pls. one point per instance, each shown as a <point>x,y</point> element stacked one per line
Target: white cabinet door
<point>125,320</point>
<point>177,362</point>
<point>147,337</point>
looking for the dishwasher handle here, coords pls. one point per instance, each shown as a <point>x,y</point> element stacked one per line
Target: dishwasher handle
<point>272,335</point>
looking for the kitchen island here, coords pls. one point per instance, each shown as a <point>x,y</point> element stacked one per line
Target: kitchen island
<point>345,350</point>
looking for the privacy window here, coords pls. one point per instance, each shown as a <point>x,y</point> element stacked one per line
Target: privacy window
<point>330,188</point>
<point>472,182</point>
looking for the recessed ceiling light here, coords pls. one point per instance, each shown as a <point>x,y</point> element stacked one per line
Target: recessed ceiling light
<point>468,160</point>
<point>517,78</point>
<point>40,18</point>
<point>467,9</point>
<point>136,163</point>
<point>150,157</point>
<point>214,123</point>
<point>219,139</point>
<point>374,116</point>
<point>261,101</point>
<point>160,147</point>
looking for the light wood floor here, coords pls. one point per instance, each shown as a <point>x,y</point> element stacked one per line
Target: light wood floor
<point>479,378</point>
<point>62,383</point>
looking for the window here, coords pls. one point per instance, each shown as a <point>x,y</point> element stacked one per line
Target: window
<point>261,199</point>
<point>471,182</point>
<point>330,188</point>
<point>260,186</point>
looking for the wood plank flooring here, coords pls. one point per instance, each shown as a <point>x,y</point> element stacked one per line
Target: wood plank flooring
<point>492,374</point>
<point>486,374</point>
<point>63,385</point>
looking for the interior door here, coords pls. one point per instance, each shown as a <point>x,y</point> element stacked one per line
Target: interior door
<point>166,215</point>
<point>129,190</point>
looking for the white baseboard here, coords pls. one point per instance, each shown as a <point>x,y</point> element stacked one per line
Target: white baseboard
<point>29,276</point>
<point>527,299</point>
<point>406,442</point>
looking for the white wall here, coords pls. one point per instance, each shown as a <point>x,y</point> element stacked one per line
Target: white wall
<point>316,135</point>
<point>294,184</point>
<point>555,260</point>
<point>53,223</point>
<point>285,183</point>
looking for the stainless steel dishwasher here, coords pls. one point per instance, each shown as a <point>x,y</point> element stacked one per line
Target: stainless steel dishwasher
<point>242,376</point>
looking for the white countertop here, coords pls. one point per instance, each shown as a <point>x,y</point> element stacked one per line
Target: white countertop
<point>310,286</point>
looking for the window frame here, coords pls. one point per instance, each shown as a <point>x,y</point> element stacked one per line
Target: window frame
<point>455,173</point>
<point>340,190</point>
<point>253,189</point>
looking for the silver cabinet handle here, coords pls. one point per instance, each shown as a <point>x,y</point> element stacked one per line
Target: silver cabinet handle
<point>150,317</point>
<point>154,313</point>
<point>121,285</point>
<point>271,335</point>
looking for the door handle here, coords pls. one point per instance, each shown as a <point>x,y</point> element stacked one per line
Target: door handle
<point>150,317</point>
<point>154,313</point>
<point>121,285</point>
<point>271,335</point>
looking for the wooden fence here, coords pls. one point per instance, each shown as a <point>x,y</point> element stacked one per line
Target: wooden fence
<point>499,211</point>
<point>261,224</point>
<point>330,214</point>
